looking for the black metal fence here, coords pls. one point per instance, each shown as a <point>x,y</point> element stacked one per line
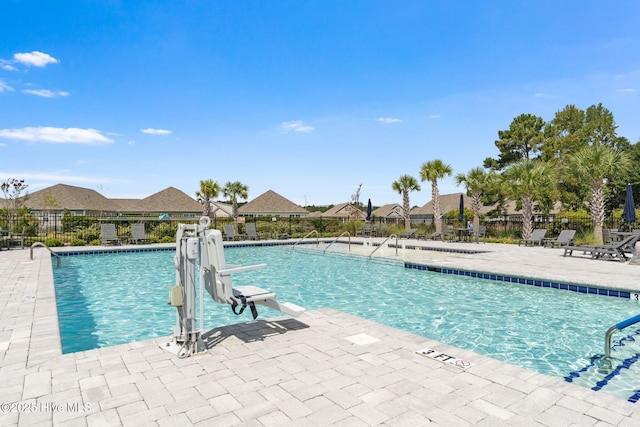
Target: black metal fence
<point>511,225</point>
<point>56,229</point>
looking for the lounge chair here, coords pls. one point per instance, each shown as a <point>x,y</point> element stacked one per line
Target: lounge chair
<point>252,233</point>
<point>565,238</point>
<point>616,249</point>
<point>433,236</point>
<point>380,230</point>
<point>536,237</point>
<point>366,230</point>
<point>479,233</point>
<point>409,234</point>
<point>108,234</point>
<point>448,233</point>
<point>230,232</point>
<point>16,238</point>
<point>138,234</point>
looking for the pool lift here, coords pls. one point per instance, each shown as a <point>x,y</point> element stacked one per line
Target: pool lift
<point>200,248</point>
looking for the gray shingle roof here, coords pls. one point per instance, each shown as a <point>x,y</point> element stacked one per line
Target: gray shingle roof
<point>450,202</point>
<point>270,203</point>
<point>344,210</point>
<point>392,210</point>
<point>169,200</point>
<point>62,196</point>
<point>221,210</point>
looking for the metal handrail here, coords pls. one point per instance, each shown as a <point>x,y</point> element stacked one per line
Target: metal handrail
<point>336,239</point>
<point>307,235</point>
<point>617,327</point>
<point>382,244</point>
<point>40,244</point>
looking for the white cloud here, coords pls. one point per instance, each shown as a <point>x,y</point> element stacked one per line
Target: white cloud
<point>296,126</point>
<point>56,135</point>
<point>35,58</point>
<point>434,116</point>
<point>152,131</point>
<point>6,66</point>
<point>388,120</point>
<point>629,90</point>
<point>5,87</point>
<point>46,93</point>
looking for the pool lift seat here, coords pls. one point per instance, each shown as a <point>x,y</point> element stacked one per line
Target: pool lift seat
<point>216,276</point>
<point>198,246</point>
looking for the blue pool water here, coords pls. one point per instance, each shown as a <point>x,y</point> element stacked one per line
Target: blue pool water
<point>112,299</point>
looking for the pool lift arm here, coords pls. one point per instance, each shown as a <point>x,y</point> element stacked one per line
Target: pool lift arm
<point>199,248</point>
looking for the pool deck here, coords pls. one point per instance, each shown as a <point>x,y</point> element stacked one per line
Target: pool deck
<point>323,368</point>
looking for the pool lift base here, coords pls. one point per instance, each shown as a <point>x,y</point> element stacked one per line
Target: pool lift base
<point>200,249</point>
<point>184,348</point>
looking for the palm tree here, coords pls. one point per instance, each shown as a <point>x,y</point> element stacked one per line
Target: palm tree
<point>209,189</point>
<point>476,182</point>
<point>404,185</point>
<point>595,164</point>
<point>524,180</point>
<point>433,171</point>
<point>235,190</point>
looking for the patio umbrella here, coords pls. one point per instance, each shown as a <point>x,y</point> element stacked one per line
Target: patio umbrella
<point>369,208</point>
<point>461,211</point>
<point>629,211</point>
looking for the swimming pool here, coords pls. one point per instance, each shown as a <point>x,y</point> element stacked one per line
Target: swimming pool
<point>117,298</point>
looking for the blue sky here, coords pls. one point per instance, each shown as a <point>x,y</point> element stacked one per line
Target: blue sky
<point>306,98</point>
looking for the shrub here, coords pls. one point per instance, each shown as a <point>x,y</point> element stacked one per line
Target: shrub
<point>72,222</point>
<point>96,242</point>
<point>168,239</point>
<point>353,226</point>
<point>585,238</point>
<point>87,233</point>
<point>318,224</point>
<point>52,243</point>
<point>396,229</point>
<point>78,242</point>
<point>163,229</point>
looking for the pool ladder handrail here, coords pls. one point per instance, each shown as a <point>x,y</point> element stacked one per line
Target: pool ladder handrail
<point>382,244</point>
<point>617,327</point>
<point>40,244</point>
<point>336,239</point>
<point>307,235</point>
